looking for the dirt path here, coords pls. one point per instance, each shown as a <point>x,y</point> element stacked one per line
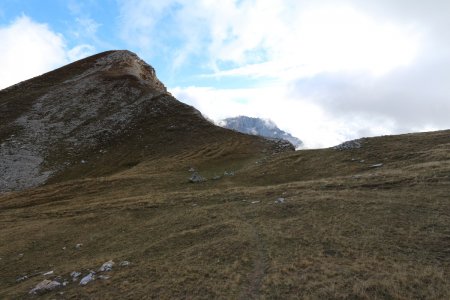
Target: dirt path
<point>260,263</point>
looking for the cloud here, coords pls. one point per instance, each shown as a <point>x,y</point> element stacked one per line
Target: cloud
<point>299,116</point>
<point>84,29</point>
<point>259,38</point>
<point>324,71</point>
<point>80,51</point>
<point>29,49</point>
<point>413,98</point>
<point>142,23</point>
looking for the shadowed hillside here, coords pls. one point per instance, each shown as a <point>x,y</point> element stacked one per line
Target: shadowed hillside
<point>365,220</point>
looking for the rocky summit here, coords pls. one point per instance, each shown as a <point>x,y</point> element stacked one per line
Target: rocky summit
<point>110,188</point>
<point>261,127</point>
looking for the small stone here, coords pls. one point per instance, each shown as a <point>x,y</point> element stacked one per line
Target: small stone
<point>20,255</point>
<point>104,277</point>
<point>78,246</point>
<point>83,161</point>
<point>45,286</point>
<point>376,165</point>
<point>254,202</point>
<point>107,266</point>
<point>22,278</point>
<point>75,275</point>
<point>86,279</point>
<point>48,273</point>
<point>64,248</point>
<point>231,173</point>
<point>216,177</point>
<point>65,283</point>
<point>124,263</point>
<point>196,178</point>
<point>191,169</point>
<point>280,200</point>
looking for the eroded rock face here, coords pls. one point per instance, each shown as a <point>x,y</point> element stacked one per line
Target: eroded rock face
<point>127,63</point>
<point>80,112</point>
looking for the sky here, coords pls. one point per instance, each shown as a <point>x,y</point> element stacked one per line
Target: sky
<point>326,71</point>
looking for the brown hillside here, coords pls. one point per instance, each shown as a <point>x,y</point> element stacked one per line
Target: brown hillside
<point>97,116</point>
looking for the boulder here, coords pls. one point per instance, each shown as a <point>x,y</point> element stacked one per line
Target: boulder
<point>88,278</point>
<point>124,263</point>
<point>196,178</point>
<point>75,275</point>
<point>45,286</point>
<point>279,200</point>
<point>107,266</point>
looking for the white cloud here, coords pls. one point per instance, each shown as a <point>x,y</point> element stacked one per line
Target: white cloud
<point>332,70</point>
<point>260,38</point>
<point>80,51</point>
<point>86,27</point>
<point>83,29</point>
<point>139,19</point>
<point>301,117</point>
<point>28,49</point>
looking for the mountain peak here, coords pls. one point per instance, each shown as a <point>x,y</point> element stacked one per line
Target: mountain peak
<point>262,127</point>
<point>97,116</point>
<point>118,63</point>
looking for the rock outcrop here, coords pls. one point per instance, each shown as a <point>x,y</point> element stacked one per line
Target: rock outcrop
<point>261,127</point>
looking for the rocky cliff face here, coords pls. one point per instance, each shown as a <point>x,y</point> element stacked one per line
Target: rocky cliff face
<point>257,126</point>
<point>65,119</point>
<point>76,113</point>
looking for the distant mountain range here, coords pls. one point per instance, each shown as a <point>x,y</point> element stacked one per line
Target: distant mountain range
<point>261,127</point>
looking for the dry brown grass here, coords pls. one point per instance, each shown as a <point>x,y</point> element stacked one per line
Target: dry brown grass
<point>382,234</point>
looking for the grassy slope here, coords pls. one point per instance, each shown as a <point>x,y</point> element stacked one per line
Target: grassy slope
<point>345,230</point>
